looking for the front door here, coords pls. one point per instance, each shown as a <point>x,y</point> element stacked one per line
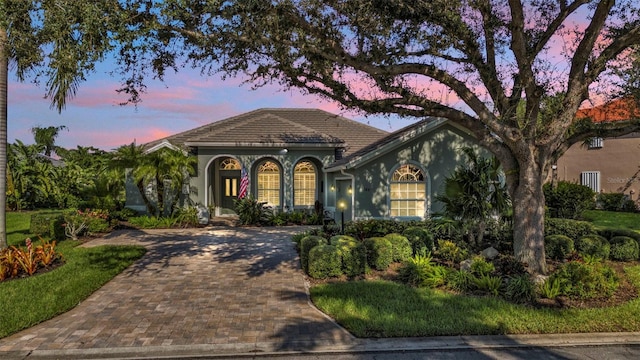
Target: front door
<point>230,189</point>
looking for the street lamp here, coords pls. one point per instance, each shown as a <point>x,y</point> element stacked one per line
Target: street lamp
<point>342,205</point>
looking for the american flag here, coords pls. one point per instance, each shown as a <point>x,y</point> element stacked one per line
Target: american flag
<point>244,183</point>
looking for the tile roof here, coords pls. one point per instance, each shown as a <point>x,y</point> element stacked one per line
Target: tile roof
<point>616,110</point>
<point>280,126</point>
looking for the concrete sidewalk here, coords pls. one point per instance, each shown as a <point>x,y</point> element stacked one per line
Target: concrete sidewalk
<point>222,291</point>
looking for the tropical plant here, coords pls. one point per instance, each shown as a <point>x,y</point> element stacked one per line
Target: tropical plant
<point>251,211</point>
<point>474,194</point>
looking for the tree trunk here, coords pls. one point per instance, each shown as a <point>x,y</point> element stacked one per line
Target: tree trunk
<point>528,220</point>
<point>4,71</point>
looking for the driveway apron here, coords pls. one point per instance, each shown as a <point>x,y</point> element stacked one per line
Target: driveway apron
<point>212,286</point>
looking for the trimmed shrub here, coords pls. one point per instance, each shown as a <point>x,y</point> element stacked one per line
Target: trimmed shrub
<point>568,200</point>
<point>610,233</point>
<point>420,239</point>
<point>520,289</point>
<point>400,246</point>
<point>572,228</point>
<point>364,229</point>
<point>352,253</point>
<point>297,238</point>
<point>585,281</point>
<point>379,252</point>
<point>324,262</point>
<point>594,245</point>
<point>41,223</point>
<point>558,247</point>
<point>58,228</point>
<point>624,248</point>
<point>306,244</point>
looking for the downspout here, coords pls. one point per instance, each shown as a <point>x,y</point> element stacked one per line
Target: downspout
<point>353,193</point>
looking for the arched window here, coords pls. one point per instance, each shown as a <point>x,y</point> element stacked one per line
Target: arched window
<point>230,164</point>
<point>304,184</point>
<point>269,183</point>
<point>408,192</point>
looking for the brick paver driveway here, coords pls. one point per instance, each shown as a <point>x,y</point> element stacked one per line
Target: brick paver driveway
<point>219,286</point>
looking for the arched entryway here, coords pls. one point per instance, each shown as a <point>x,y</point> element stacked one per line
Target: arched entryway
<point>223,184</point>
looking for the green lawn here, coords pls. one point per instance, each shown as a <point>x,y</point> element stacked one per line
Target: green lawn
<point>389,309</point>
<point>611,219</point>
<point>29,301</point>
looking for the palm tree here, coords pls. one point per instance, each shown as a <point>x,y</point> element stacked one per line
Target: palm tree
<point>166,170</point>
<point>474,193</point>
<point>46,137</point>
<point>59,41</point>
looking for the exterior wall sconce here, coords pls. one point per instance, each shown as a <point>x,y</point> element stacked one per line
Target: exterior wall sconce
<point>349,190</point>
<point>333,188</point>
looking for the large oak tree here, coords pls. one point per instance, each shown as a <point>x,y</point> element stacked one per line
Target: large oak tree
<point>519,70</point>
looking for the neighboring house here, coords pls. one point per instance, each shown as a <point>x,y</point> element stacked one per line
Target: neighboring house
<point>295,157</point>
<point>610,165</point>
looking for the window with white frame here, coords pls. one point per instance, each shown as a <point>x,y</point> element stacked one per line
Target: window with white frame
<point>229,164</point>
<point>591,179</point>
<point>596,143</point>
<point>408,192</point>
<point>269,183</point>
<point>304,184</point>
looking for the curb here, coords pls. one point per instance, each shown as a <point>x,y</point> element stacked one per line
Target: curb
<point>258,350</point>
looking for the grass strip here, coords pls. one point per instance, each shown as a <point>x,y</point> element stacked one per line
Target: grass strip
<point>613,219</point>
<point>388,309</point>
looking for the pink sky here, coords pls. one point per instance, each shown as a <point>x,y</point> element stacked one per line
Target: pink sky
<point>184,101</point>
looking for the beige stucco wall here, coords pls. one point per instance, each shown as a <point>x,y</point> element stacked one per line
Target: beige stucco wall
<point>618,162</point>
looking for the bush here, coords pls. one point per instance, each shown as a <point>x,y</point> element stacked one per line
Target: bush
<point>558,247</point>
<point>520,289</point>
<point>567,227</point>
<point>488,284</point>
<point>297,238</point>
<point>611,233</point>
<point>550,288</point>
<point>508,265</point>
<point>41,223</point>
<point>379,252</point>
<point>568,200</point>
<point>594,245</point>
<point>450,252</point>
<point>480,266</point>
<point>624,248</point>
<point>352,253</point>
<point>363,229</point>
<point>306,244</point>
<point>414,271</point>
<point>400,246</point>
<point>251,212</point>
<point>420,239</point>
<point>615,202</point>
<point>324,262</point>
<point>582,281</point>
<point>460,280</point>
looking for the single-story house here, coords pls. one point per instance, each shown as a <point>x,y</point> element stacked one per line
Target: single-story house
<point>610,165</point>
<point>295,157</point>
